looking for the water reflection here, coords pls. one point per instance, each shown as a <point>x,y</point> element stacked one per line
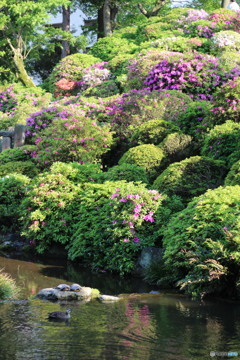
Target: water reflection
<point>140,326</point>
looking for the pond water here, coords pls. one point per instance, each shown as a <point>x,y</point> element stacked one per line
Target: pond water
<point>140,326</point>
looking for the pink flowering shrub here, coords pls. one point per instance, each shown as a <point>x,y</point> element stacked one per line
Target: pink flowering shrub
<point>136,107</point>
<point>225,41</point>
<point>116,221</point>
<point>201,28</point>
<point>198,76</point>
<point>226,104</point>
<point>192,15</point>
<point>105,225</point>
<point>67,135</point>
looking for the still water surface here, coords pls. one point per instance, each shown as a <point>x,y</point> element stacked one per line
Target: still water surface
<point>141,326</point>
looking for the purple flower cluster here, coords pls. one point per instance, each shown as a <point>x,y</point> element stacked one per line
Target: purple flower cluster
<point>8,101</point>
<point>198,77</point>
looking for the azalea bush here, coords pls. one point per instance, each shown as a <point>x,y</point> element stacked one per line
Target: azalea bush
<point>222,143</point>
<point>226,103</point>
<point>13,189</point>
<point>108,47</point>
<point>149,156</point>
<point>191,177</point>
<point>233,176</point>
<point>198,76</point>
<point>127,172</point>
<point>72,137</point>
<point>27,168</point>
<point>66,74</point>
<point>116,221</point>
<point>229,59</point>
<point>151,132</point>
<point>204,259</point>
<point>136,107</point>
<point>177,146</point>
<point>225,41</point>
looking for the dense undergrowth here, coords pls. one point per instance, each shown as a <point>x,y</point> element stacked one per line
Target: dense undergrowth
<point>135,144</point>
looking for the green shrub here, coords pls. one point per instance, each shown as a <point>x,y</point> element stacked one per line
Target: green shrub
<point>22,153</point>
<point>106,89</point>
<point>201,244</point>
<point>233,176</point>
<point>178,43</point>
<point>127,172</point>
<point>118,64</point>
<point>8,287</point>
<point>222,143</point>
<point>194,120</point>
<point>108,47</point>
<point>191,177</point>
<point>225,40</point>
<point>229,59</point>
<point>177,146</point>
<point>226,103</point>
<point>78,173</point>
<point>148,156</point>
<point>45,217</point>
<point>27,168</point>
<point>117,220</point>
<point>13,188</point>
<point>151,132</point>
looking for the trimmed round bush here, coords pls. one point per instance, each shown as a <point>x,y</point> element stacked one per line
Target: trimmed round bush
<point>106,89</point>
<point>27,168</point>
<point>148,156</point>
<point>127,172</point>
<point>151,132</point>
<point>177,146</point>
<point>233,176</point>
<point>78,173</point>
<point>202,244</point>
<point>191,177</point>
<point>13,189</point>
<point>108,47</point>
<point>22,153</point>
<point>225,40</point>
<point>222,143</point>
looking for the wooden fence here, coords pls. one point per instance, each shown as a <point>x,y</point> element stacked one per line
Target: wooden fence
<point>14,138</point>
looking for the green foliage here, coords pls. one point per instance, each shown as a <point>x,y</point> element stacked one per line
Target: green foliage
<point>151,132</point>
<point>233,176</point>
<point>22,153</point>
<point>116,222</point>
<point>225,41</point>
<point>177,146</point>
<point>193,119</point>
<point>27,168</point>
<point>190,177</point>
<point>78,173</point>
<point>148,156</point>
<point>118,64</point>
<point>222,143</point>
<point>229,59</point>
<point>8,287</point>
<point>127,172</point>
<point>202,244</point>
<point>108,47</point>
<point>13,188</point>
<point>45,216</point>
<point>106,89</point>
<point>178,43</point>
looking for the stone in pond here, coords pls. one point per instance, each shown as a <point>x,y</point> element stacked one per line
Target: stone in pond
<point>108,298</point>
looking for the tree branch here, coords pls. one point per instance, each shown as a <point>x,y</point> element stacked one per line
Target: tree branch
<point>159,4</point>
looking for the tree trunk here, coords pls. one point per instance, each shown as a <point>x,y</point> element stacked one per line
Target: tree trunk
<point>65,27</point>
<point>100,23</point>
<point>159,4</point>
<point>107,18</point>
<point>21,71</point>
<point>224,3</point>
